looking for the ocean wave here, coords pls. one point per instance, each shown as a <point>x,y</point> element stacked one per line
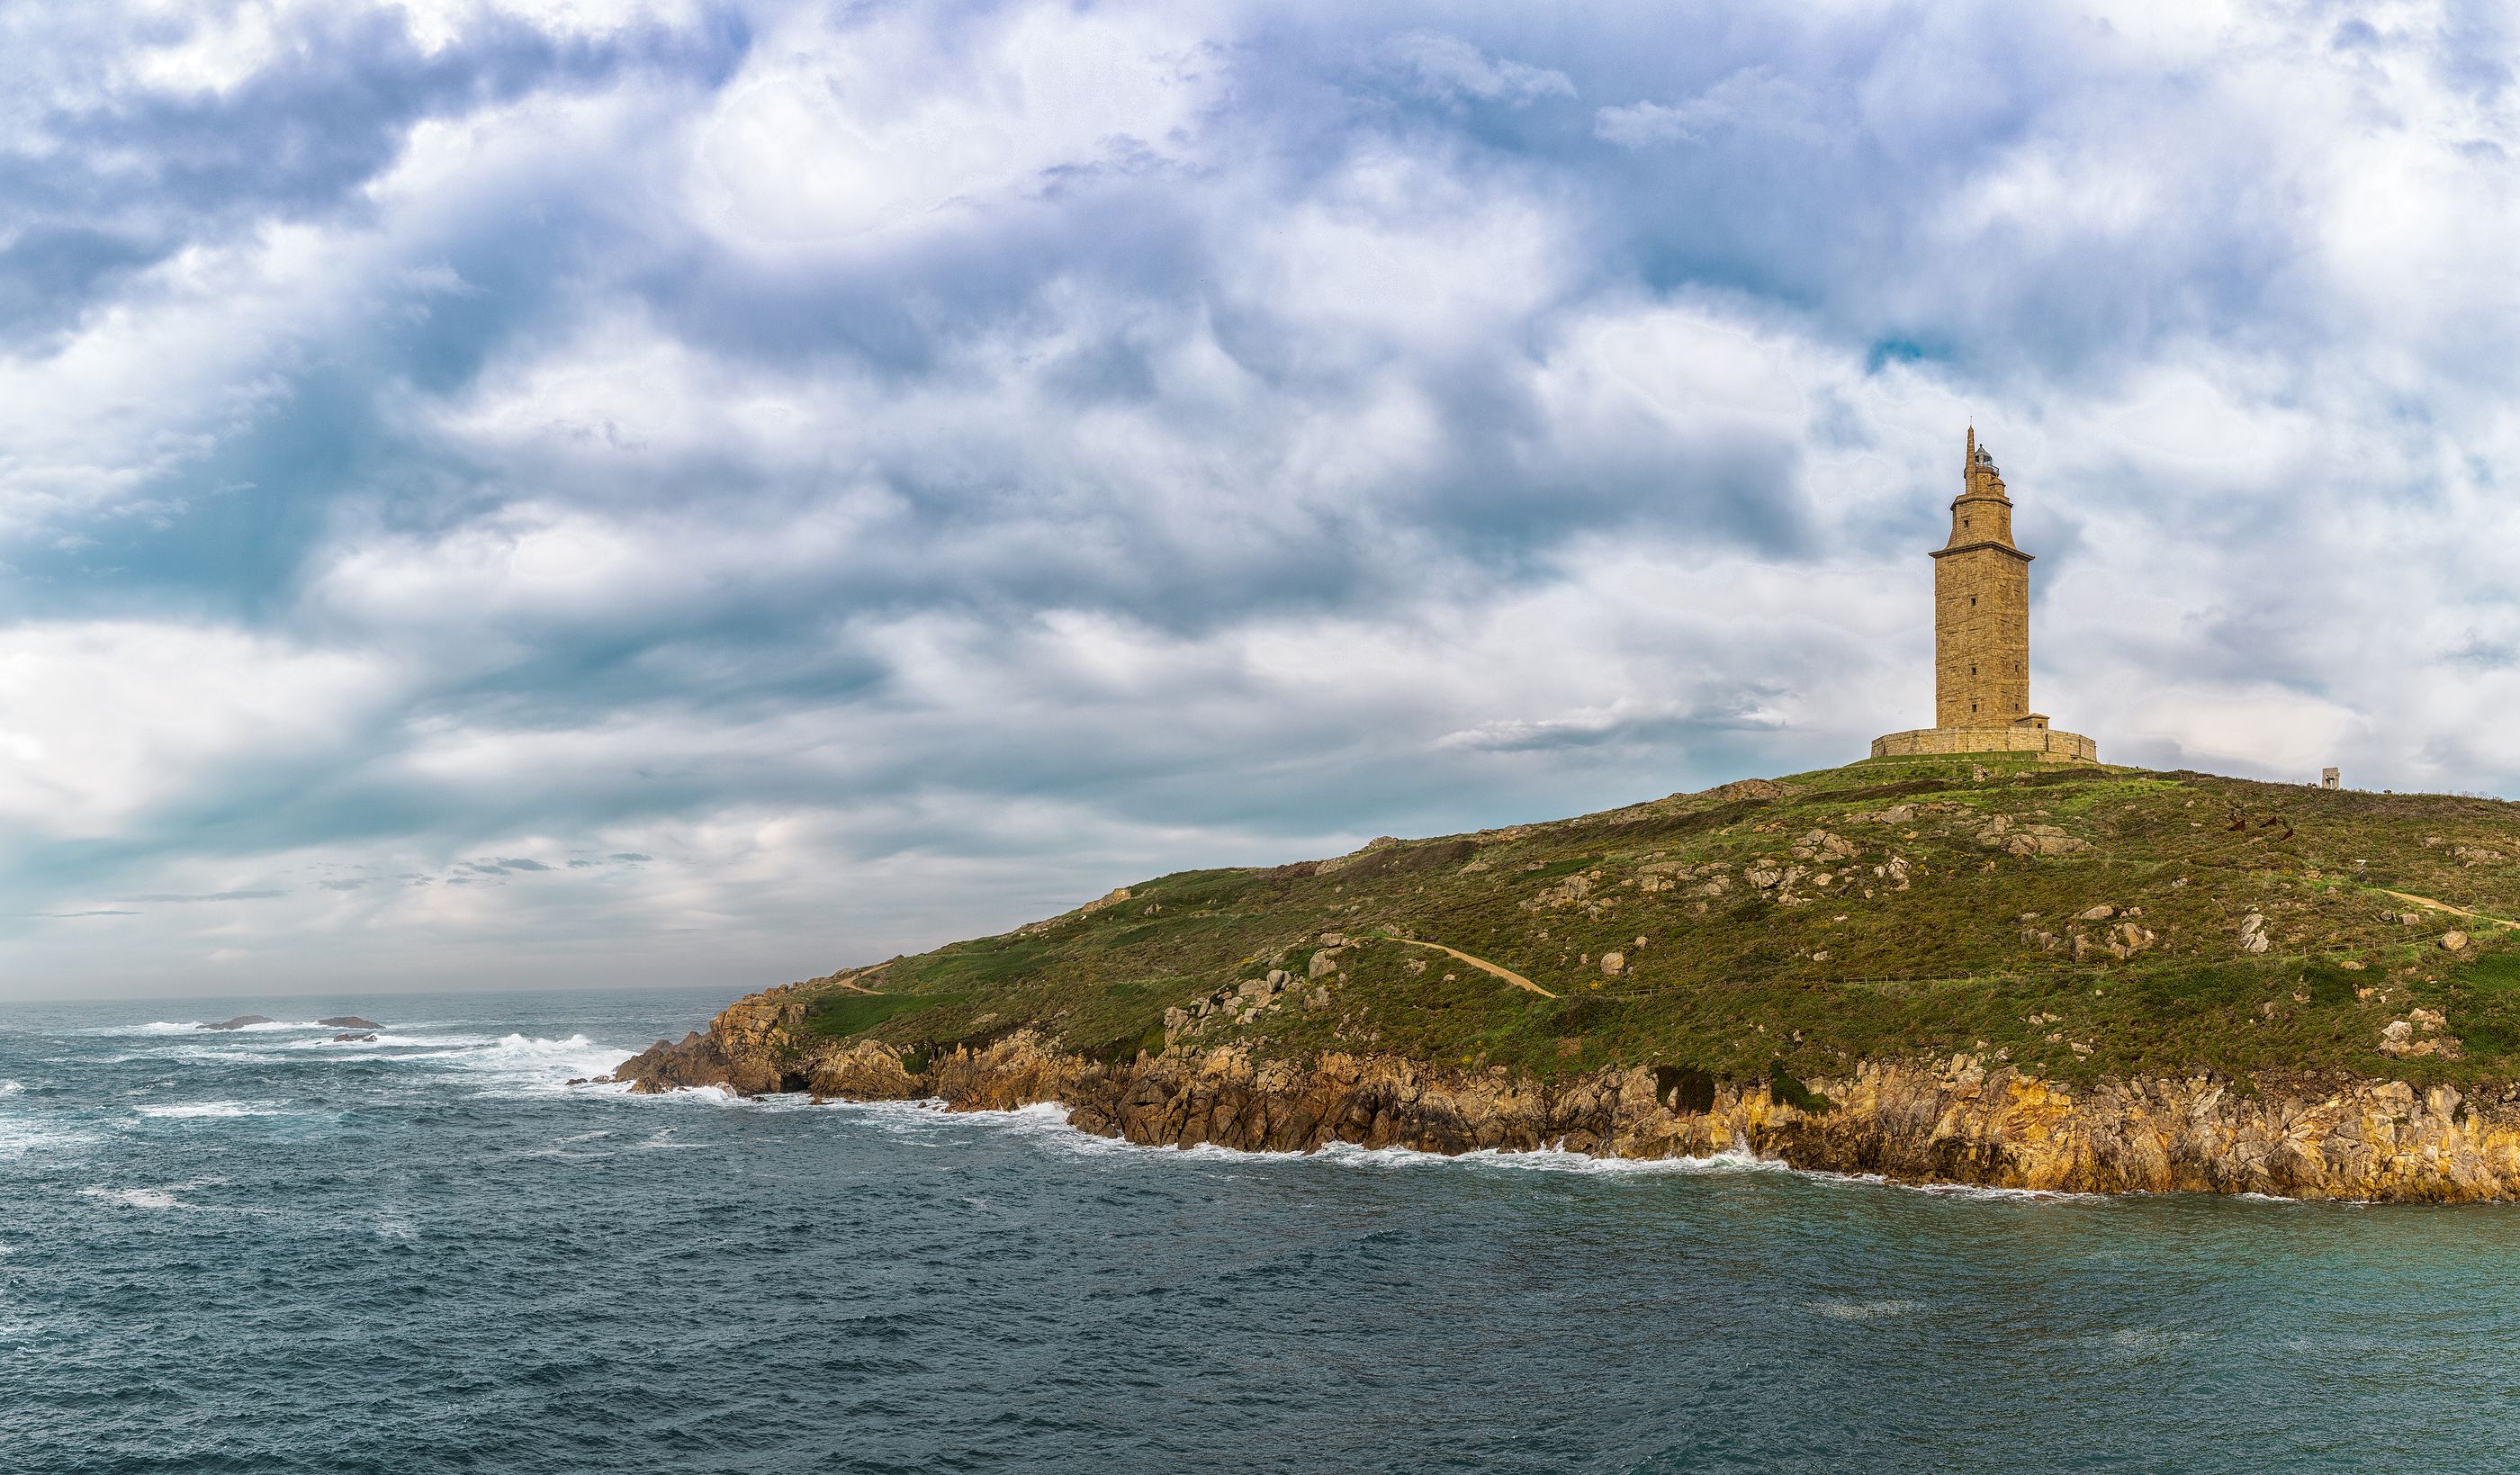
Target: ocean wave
<point>1047,1122</point>
<point>526,1061</point>
<point>19,1137</point>
<point>156,1200</point>
<point>359,1041</point>
<point>1863,1311</point>
<point>1956,1190</point>
<point>197,1055</point>
<point>188,1109</point>
<point>203,1027</point>
<point>512,1062</point>
<point>719,1098</point>
<point>2141,1341</point>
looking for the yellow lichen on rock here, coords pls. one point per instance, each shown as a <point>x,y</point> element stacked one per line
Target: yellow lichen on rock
<point>1960,1119</point>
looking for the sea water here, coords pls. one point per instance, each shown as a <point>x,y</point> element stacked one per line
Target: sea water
<point>269,1251</point>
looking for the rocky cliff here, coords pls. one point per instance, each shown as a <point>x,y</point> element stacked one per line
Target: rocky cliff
<point>1962,1120</point>
<point>1953,970</point>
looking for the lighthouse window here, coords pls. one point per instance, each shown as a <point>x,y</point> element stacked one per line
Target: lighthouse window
<point>1972,602</point>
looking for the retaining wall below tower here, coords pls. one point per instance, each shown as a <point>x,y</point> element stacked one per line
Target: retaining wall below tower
<point>2046,744</point>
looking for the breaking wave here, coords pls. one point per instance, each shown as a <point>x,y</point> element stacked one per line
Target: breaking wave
<point>1045,1122</point>
<point>524,1061</point>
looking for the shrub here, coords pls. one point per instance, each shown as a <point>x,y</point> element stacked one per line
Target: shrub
<point>1682,1088</point>
<point>1785,1091</point>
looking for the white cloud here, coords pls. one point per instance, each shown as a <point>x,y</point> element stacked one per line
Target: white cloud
<point>933,465</point>
<point>106,724</point>
<point>885,124</point>
<point>1448,66</point>
<point>1754,99</point>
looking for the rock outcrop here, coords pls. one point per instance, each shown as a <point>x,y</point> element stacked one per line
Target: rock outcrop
<point>1964,1120</point>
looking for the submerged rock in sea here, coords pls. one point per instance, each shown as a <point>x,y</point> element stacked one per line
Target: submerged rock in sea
<point>239,1022</point>
<point>348,1037</point>
<point>348,1021</point>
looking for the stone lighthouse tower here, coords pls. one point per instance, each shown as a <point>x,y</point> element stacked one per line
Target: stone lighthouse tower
<point>1982,634</point>
<point>1981,605</point>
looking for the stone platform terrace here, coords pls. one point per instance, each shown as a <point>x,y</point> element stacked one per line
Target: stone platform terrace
<point>2045,743</point>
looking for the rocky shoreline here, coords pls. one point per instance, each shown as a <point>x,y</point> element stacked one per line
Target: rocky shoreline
<point>1962,1120</point>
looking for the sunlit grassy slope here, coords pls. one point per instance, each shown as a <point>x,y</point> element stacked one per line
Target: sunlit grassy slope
<point>1766,923</point>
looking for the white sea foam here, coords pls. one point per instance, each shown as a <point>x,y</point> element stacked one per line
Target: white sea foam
<point>24,1131</point>
<point>2141,1341</point>
<point>19,1137</point>
<point>359,1043</point>
<point>154,1200</point>
<point>1047,1122</point>
<point>525,1062</point>
<point>1954,1191</point>
<point>203,1027</point>
<point>198,1055</point>
<point>1863,1311</point>
<point>187,1109</point>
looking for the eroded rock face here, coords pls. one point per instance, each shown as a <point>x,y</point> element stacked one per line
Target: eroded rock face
<point>1966,1120</point>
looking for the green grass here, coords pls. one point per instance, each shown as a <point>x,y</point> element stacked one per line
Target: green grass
<point>1743,983</point>
<point>1552,870</point>
<point>841,1014</point>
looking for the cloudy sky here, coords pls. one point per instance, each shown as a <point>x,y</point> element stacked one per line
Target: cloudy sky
<point>504,494</point>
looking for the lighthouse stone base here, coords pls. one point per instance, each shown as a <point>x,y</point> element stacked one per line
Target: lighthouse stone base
<point>2045,744</point>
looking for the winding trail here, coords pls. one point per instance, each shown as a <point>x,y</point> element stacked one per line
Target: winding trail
<point>2426,901</point>
<point>1480,964</point>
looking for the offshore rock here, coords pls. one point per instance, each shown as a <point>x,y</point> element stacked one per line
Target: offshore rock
<point>1952,1121</point>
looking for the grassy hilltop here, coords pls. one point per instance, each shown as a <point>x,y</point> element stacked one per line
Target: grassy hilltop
<point>2080,921</point>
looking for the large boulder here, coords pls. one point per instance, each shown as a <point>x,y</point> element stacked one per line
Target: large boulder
<point>669,1065</point>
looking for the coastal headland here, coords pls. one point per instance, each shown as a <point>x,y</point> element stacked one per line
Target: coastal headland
<point>1985,970</point>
